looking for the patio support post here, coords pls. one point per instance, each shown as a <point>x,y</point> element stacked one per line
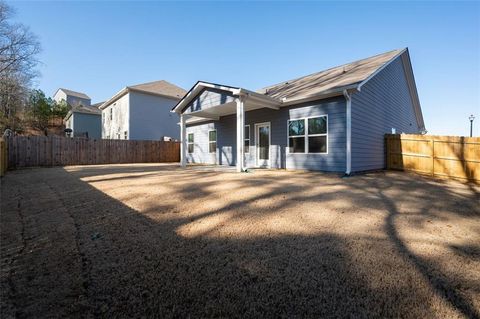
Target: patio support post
<point>183,141</point>
<point>240,133</point>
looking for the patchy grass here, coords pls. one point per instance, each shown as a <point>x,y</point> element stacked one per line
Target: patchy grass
<point>155,240</point>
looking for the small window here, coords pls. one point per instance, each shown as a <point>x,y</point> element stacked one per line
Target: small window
<point>247,139</point>
<point>317,134</point>
<point>111,113</point>
<point>296,136</point>
<point>308,135</point>
<point>212,141</point>
<point>190,145</point>
<point>125,135</point>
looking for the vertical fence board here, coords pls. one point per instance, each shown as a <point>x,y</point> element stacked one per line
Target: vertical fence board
<point>442,156</point>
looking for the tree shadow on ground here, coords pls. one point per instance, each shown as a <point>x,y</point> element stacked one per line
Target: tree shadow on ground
<point>89,254</point>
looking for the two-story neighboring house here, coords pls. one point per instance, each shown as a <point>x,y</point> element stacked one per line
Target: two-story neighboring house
<point>71,97</point>
<point>142,112</point>
<point>83,118</point>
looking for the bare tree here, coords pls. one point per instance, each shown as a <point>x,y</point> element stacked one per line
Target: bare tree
<point>19,48</point>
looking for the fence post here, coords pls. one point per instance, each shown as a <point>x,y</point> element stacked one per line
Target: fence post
<point>433,156</point>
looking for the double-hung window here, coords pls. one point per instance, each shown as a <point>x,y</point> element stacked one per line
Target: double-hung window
<point>247,139</point>
<point>190,144</point>
<point>212,141</point>
<point>308,135</point>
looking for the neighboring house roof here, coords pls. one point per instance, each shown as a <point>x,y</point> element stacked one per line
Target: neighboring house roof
<point>331,82</point>
<point>160,88</point>
<point>74,93</point>
<point>92,109</point>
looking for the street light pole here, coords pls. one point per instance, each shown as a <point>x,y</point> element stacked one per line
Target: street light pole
<point>471,118</point>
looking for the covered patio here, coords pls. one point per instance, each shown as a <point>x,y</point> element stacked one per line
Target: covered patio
<point>230,101</point>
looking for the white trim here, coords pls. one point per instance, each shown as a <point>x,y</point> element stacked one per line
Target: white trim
<point>264,100</point>
<point>191,143</point>
<point>183,142</point>
<point>408,70</point>
<point>348,151</point>
<point>240,162</point>
<point>317,96</point>
<point>245,139</point>
<point>306,135</point>
<point>359,87</point>
<point>196,90</point>
<point>256,125</point>
<point>209,142</point>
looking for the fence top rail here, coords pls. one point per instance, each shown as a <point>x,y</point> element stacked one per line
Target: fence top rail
<point>439,138</point>
<point>85,139</point>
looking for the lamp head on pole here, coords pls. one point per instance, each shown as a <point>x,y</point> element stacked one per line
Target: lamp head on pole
<point>471,118</point>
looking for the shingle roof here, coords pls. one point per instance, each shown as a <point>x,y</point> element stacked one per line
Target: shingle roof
<point>92,109</point>
<point>332,79</point>
<point>160,87</point>
<point>74,93</point>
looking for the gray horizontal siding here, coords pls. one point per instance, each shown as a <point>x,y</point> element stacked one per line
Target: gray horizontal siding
<point>201,150</point>
<point>279,158</point>
<point>87,123</point>
<point>384,103</point>
<point>208,98</point>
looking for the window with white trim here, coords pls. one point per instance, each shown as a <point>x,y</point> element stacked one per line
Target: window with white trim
<point>308,135</point>
<point>246,144</point>
<point>111,113</point>
<point>212,141</point>
<point>190,144</point>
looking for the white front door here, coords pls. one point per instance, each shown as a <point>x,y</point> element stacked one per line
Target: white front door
<point>262,144</point>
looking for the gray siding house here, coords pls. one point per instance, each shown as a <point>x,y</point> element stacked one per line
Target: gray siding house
<point>85,121</point>
<point>333,120</point>
<point>142,112</point>
<point>72,98</point>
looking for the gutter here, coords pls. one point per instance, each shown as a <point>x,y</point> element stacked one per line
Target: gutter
<point>348,99</point>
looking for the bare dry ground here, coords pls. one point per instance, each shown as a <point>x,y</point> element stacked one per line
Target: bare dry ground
<point>159,241</point>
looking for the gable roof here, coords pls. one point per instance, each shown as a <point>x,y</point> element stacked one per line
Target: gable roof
<point>334,79</point>
<point>74,93</point>
<point>92,109</point>
<point>331,82</point>
<point>160,88</point>
<point>317,85</point>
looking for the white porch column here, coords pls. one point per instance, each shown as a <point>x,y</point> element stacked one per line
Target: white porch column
<point>240,133</point>
<point>183,140</point>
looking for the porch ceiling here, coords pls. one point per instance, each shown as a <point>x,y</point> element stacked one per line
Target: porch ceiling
<point>215,112</point>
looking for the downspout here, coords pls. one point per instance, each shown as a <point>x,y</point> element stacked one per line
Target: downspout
<point>348,99</point>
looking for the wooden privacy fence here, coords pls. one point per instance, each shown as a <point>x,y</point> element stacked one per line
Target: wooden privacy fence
<point>442,156</point>
<point>27,151</point>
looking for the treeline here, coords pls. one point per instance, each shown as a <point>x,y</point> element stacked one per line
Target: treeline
<point>22,107</point>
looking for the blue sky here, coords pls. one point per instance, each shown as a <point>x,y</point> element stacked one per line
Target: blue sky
<point>100,47</point>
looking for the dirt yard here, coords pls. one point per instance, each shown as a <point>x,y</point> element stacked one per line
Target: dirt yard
<point>159,241</point>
